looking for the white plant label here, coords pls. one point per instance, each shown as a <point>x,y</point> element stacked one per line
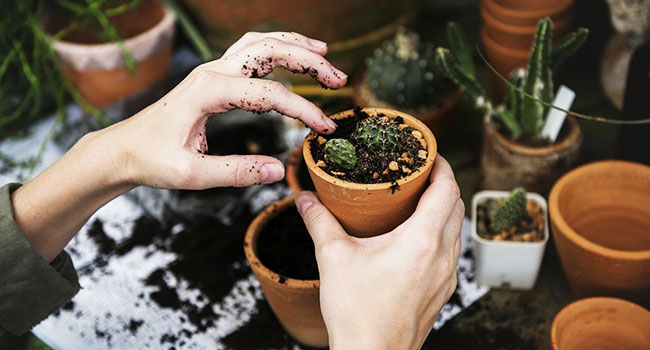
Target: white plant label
<point>555,118</point>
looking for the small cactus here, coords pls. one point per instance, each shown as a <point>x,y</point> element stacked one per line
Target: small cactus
<point>510,211</point>
<point>341,152</point>
<point>403,72</point>
<point>378,133</point>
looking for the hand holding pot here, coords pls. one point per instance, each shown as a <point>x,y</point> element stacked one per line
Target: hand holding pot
<point>385,292</point>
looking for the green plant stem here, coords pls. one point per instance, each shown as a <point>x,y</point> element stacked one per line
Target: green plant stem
<point>191,31</point>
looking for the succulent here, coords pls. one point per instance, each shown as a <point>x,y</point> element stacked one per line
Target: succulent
<point>403,72</point>
<point>378,133</point>
<point>521,115</point>
<point>341,152</point>
<point>510,211</point>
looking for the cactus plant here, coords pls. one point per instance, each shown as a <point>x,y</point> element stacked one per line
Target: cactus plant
<point>378,133</point>
<point>521,115</point>
<point>403,72</point>
<point>510,211</point>
<point>341,152</point>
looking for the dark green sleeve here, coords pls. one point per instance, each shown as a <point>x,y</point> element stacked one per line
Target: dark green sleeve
<point>30,288</point>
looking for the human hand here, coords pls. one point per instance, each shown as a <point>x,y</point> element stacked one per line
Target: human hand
<point>385,292</point>
<point>164,145</point>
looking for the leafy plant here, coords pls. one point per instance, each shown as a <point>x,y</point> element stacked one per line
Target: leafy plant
<point>511,210</point>
<point>530,91</point>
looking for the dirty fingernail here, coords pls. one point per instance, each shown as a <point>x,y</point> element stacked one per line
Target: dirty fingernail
<point>330,123</point>
<point>317,43</point>
<point>304,200</point>
<point>339,74</point>
<point>271,172</point>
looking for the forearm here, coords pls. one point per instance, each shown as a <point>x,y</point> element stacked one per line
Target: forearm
<point>51,208</point>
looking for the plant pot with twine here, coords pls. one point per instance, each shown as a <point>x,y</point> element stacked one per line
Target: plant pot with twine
<point>600,217</point>
<point>295,302</point>
<point>370,209</point>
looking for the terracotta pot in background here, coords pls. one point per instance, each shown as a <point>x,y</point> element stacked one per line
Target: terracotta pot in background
<point>294,302</point>
<point>506,164</point>
<point>601,324</point>
<point>296,172</point>
<point>98,70</point>
<point>528,5</point>
<point>437,118</point>
<point>367,210</point>
<point>503,59</point>
<point>600,217</point>
<point>517,14</point>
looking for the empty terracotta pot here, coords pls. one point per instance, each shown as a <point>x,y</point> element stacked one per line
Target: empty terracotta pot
<point>98,70</point>
<point>518,14</point>
<point>600,218</point>
<point>506,164</point>
<point>294,302</point>
<point>367,210</point>
<point>601,324</point>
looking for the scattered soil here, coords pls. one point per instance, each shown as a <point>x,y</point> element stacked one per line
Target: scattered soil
<point>528,229</point>
<point>372,165</point>
<point>285,247</point>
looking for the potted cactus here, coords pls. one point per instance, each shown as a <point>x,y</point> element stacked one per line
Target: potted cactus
<point>403,75</point>
<point>509,231</point>
<point>514,151</point>
<point>372,170</point>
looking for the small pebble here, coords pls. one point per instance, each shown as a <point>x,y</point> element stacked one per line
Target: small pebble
<point>406,170</point>
<point>321,140</point>
<point>422,154</point>
<point>320,163</point>
<point>375,175</point>
<point>402,126</point>
<point>393,166</point>
<point>417,134</point>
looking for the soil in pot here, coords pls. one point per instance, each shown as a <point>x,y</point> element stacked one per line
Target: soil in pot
<point>285,247</point>
<point>528,229</point>
<point>373,165</point>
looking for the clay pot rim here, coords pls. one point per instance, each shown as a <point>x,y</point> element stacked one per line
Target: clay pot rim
<point>600,302</point>
<point>561,6</point>
<point>250,241</point>
<point>567,231</point>
<point>505,51</point>
<point>574,135</point>
<point>502,194</point>
<point>432,149</point>
<point>489,20</point>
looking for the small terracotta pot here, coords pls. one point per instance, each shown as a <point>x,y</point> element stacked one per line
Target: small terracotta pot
<point>601,324</point>
<point>518,15</point>
<point>367,210</point>
<point>437,118</point>
<point>98,70</point>
<point>297,175</point>
<point>600,218</point>
<point>506,164</point>
<point>294,302</point>
<point>528,5</point>
<point>503,59</point>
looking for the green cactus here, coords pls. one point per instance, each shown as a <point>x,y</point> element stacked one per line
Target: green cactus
<point>378,133</point>
<point>403,72</point>
<point>510,211</point>
<point>522,116</point>
<point>341,152</point>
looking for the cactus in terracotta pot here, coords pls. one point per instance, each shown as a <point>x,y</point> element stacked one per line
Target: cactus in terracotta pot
<point>341,152</point>
<point>378,133</point>
<point>510,211</point>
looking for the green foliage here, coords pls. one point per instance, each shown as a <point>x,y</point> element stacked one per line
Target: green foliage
<point>522,114</point>
<point>378,133</point>
<point>403,72</point>
<point>341,152</point>
<point>510,211</point>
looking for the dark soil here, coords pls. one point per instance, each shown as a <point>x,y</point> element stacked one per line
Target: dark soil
<point>528,229</point>
<point>285,247</point>
<point>372,165</point>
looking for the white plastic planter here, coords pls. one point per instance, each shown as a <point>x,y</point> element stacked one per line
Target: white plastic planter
<point>507,264</point>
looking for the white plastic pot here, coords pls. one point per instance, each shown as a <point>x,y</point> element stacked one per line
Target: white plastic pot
<point>507,264</point>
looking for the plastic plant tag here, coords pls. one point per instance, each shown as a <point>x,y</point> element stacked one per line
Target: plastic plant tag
<point>555,118</point>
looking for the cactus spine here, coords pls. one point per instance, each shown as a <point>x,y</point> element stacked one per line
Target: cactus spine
<point>341,152</point>
<point>510,211</point>
<point>378,133</point>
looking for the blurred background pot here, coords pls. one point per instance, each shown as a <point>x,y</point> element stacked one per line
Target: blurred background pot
<point>297,175</point>
<point>600,324</point>
<point>367,210</point>
<point>600,216</point>
<point>506,164</point>
<point>98,70</point>
<point>294,302</point>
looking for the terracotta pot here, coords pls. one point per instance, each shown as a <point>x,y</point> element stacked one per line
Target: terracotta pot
<point>98,70</point>
<point>506,164</point>
<point>367,210</point>
<point>503,59</point>
<point>437,118</point>
<point>601,324</point>
<point>519,37</point>
<point>528,5</point>
<point>600,217</point>
<point>518,15</point>
<point>350,37</point>
<point>294,302</point>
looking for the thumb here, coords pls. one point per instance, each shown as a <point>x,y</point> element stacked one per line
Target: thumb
<point>236,171</point>
<point>321,224</point>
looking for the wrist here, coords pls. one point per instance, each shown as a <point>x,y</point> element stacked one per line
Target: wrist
<point>110,160</point>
